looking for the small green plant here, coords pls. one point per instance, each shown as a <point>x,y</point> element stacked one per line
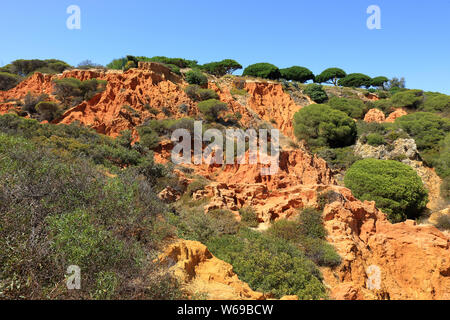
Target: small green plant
<point>316,93</point>
<point>249,217</point>
<point>196,77</point>
<point>212,109</point>
<point>375,139</point>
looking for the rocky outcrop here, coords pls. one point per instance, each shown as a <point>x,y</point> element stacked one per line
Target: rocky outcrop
<point>272,104</point>
<point>205,275</point>
<point>396,114</point>
<point>375,115</point>
<point>413,261</point>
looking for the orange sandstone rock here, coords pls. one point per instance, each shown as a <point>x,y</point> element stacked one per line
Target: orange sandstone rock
<point>375,115</point>
<point>396,114</point>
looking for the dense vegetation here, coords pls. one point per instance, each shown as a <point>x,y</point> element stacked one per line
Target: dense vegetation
<point>321,125</point>
<point>395,187</point>
<point>59,209</point>
<point>262,70</point>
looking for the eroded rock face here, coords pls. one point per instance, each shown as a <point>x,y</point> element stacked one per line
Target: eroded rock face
<point>375,115</point>
<point>202,273</point>
<point>414,261</point>
<point>396,114</point>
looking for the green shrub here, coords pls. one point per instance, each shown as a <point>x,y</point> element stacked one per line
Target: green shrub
<point>316,93</point>
<point>221,68</point>
<point>249,217</point>
<point>26,67</point>
<point>408,99</point>
<point>269,265</point>
<point>320,125</point>
<point>71,91</point>
<point>331,75</point>
<point>196,77</point>
<point>8,81</point>
<point>30,102</point>
<point>211,109</point>
<point>48,110</point>
<point>354,108</point>
<point>117,64</point>
<point>384,105</point>
<point>148,138</point>
<point>295,73</point>
<point>436,102</point>
<point>375,139</point>
<point>321,252</point>
<point>262,70</point>
<point>443,222</point>
<point>355,80</point>
<point>327,197</point>
<point>311,224</point>
<point>338,158</point>
<point>395,187</point>
<point>427,129</point>
<point>286,230</point>
<point>196,93</point>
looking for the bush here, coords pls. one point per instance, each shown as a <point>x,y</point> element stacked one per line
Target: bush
<point>338,158</point>
<point>321,125</point>
<point>316,93</point>
<point>196,93</point>
<point>148,138</point>
<point>58,208</point>
<point>262,70</point>
<point>311,224</point>
<point>71,91</point>
<point>427,129</point>
<point>355,80</point>
<point>331,75</point>
<point>354,108</point>
<point>31,101</point>
<point>436,102</point>
<point>8,81</point>
<point>211,109</point>
<point>117,64</point>
<point>375,139</point>
<point>407,99</point>
<point>196,77</point>
<point>296,73</point>
<point>395,187</point>
<point>443,222</point>
<point>221,68</point>
<point>26,67</point>
<point>249,217</point>
<point>269,265</point>
<point>48,110</point>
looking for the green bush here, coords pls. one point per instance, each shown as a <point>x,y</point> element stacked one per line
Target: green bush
<point>354,108</point>
<point>262,70</point>
<point>295,73</point>
<point>196,93</point>
<point>269,265</point>
<point>407,99</point>
<point>8,81</point>
<point>26,67</point>
<point>316,93</point>
<point>355,80</point>
<point>427,129</point>
<point>249,217</point>
<point>58,208</point>
<point>331,75</point>
<point>443,222</point>
<point>321,125</point>
<point>384,105</point>
<point>31,101</point>
<point>196,77</point>
<point>221,68</point>
<point>375,139</point>
<point>436,102</point>
<point>48,110</point>
<point>395,187</point>
<point>71,91</point>
<point>311,224</point>
<point>338,158</point>
<point>212,109</point>
<point>117,64</point>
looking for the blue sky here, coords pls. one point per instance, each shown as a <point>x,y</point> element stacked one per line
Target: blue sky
<point>414,41</point>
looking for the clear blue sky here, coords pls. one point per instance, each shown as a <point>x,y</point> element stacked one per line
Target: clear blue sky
<point>414,41</point>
